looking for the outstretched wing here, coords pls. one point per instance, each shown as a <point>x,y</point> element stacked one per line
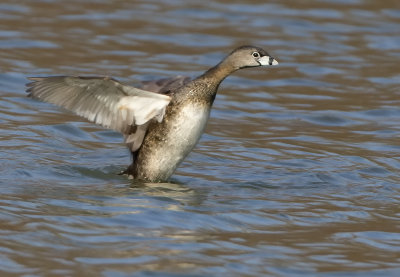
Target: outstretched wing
<point>104,101</point>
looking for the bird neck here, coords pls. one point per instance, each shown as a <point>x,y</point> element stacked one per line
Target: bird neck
<point>207,84</point>
<point>204,88</point>
<point>218,73</point>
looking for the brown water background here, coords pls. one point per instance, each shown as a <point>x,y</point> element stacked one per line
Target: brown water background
<point>297,173</point>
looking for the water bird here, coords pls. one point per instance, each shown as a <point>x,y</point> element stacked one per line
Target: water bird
<point>161,122</point>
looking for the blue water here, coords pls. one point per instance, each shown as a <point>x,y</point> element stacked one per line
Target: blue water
<point>297,173</point>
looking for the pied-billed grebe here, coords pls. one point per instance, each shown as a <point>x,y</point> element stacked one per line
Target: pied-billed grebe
<point>161,128</point>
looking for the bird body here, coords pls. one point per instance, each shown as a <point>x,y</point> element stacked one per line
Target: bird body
<point>166,145</point>
<point>161,128</point>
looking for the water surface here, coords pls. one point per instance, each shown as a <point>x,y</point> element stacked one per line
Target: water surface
<point>297,173</point>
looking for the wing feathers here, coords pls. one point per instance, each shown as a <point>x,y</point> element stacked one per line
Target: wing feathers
<point>143,108</point>
<point>104,101</point>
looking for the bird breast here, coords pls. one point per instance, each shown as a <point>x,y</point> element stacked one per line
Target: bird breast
<point>182,131</point>
<point>187,127</point>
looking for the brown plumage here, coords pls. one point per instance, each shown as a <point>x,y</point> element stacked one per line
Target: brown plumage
<point>159,128</point>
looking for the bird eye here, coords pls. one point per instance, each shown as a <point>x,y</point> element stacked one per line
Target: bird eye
<point>256,54</point>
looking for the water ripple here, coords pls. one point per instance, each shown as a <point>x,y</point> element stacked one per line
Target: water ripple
<point>296,174</point>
